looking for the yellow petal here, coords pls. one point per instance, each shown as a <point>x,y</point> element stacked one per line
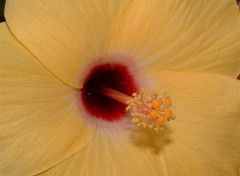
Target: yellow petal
<point>64,35</point>
<point>181,34</point>
<point>40,124</point>
<point>111,153</point>
<point>204,138</point>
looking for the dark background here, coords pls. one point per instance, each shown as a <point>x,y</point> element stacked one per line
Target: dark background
<point>2,3</point>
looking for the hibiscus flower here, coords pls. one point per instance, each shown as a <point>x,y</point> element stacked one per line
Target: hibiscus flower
<point>56,54</point>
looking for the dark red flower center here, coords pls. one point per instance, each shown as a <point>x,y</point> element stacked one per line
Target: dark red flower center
<point>111,75</point>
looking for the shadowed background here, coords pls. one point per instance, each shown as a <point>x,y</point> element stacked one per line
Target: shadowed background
<point>2,3</point>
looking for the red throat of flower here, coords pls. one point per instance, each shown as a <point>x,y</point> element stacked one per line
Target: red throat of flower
<point>106,90</point>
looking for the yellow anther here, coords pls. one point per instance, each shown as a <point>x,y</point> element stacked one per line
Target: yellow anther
<point>167,101</point>
<point>150,110</point>
<point>128,108</point>
<point>153,114</point>
<point>149,99</point>
<point>156,103</point>
<point>135,120</point>
<point>149,105</point>
<point>144,124</point>
<point>134,94</point>
<point>132,104</point>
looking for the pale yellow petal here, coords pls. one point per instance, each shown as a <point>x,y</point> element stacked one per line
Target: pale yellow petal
<point>40,124</point>
<point>203,140</point>
<point>111,154</point>
<point>64,35</point>
<point>204,137</point>
<point>181,34</point>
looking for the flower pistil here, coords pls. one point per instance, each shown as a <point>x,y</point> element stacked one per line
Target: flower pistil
<point>150,110</point>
